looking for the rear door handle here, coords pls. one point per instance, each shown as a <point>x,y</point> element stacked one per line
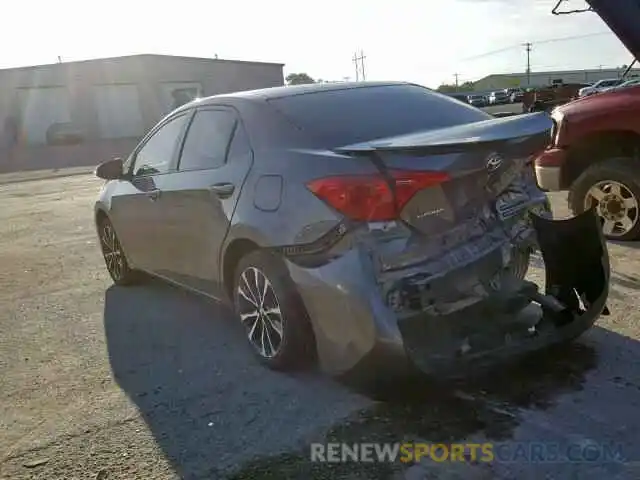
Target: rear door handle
<point>153,195</point>
<point>222,190</point>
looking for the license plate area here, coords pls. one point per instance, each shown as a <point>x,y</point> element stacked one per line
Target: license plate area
<point>511,202</point>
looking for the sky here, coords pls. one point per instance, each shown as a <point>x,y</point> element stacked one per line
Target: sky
<point>422,41</point>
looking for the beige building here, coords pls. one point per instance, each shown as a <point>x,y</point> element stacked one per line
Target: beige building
<point>498,81</point>
<point>122,97</point>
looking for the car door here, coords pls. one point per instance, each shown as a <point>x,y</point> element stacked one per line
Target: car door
<point>136,212</point>
<point>201,196</point>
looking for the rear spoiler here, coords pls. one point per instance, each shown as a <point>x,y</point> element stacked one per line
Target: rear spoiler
<point>623,17</point>
<point>460,136</point>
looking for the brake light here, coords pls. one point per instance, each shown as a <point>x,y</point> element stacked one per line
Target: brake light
<point>369,197</point>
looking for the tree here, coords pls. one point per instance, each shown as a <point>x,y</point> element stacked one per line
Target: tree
<point>299,79</point>
<point>463,87</point>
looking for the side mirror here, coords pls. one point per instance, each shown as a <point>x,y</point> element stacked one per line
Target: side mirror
<point>110,170</point>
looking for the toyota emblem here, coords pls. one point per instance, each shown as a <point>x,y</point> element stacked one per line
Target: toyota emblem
<point>494,162</point>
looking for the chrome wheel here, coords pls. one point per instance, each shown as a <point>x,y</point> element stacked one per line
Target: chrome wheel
<point>616,205</point>
<point>112,252</point>
<point>259,312</point>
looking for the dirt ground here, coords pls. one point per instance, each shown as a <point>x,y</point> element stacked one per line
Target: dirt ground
<point>98,382</point>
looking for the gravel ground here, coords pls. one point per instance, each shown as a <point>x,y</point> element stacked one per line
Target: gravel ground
<point>99,382</point>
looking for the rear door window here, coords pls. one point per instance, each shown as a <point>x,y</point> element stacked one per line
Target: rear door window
<point>207,140</point>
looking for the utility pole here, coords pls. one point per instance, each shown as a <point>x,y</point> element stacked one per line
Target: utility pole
<point>527,47</point>
<point>456,75</point>
<point>359,63</point>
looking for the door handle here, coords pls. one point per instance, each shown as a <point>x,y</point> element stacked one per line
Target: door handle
<point>153,195</point>
<point>222,190</point>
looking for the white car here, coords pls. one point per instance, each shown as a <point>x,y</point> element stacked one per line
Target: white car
<point>498,97</point>
<point>628,83</point>
<point>599,86</point>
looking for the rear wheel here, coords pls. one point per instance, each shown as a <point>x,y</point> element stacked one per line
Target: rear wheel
<point>611,187</point>
<point>520,260</point>
<point>272,312</point>
<point>114,257</point>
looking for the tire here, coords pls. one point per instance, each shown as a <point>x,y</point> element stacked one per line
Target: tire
<point>289,334</point>
<point>521,259</point>
<point>618,181</point>
<point>114,257</point>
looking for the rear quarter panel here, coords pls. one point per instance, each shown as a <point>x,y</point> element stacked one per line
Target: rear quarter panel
<point>276,208</point>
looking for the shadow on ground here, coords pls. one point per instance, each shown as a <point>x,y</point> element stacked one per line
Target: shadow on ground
<point>216,413</point>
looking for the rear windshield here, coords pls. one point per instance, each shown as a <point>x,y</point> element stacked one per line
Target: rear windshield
<point>352,115</point>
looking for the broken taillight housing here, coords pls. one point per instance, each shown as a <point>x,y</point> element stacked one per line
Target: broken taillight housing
<point>369,197</point>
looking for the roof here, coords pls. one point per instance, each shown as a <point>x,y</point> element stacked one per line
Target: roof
<point>288,91</point>
<point>556,73</point>
<point>142,55</point>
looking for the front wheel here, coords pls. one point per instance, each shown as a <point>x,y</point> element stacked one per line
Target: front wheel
<point>612,187</point>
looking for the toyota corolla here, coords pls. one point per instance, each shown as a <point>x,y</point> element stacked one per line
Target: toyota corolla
<point>364,225</point>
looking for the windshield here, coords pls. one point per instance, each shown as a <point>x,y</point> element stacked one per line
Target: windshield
<point>353,115</point>
<point>607,83</point>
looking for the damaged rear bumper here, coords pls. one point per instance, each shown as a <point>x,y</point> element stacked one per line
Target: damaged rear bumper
<point>356,330</point>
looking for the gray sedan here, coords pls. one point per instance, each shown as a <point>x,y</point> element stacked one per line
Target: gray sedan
<point>365,226</point>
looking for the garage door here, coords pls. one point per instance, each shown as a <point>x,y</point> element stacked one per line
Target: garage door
<point>119,111</point>
<point>39,109</point>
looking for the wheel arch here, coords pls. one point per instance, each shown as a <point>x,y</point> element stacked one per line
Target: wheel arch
<point>233,253</point>
<point>99,215</point>
<point>597,147</point>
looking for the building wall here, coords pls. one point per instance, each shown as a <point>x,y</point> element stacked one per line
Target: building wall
<point>493,82</point>
<point>154,76</point>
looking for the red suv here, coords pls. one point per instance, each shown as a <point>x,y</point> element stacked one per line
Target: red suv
<point>595,142</point>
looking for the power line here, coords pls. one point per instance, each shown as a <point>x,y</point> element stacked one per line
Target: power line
<point>573,37</point>
<point>548,40</point>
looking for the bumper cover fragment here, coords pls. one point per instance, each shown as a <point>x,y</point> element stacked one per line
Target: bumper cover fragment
<point>492,332</point>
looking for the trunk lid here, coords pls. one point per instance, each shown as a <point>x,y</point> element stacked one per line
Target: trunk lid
<point>485,162</point>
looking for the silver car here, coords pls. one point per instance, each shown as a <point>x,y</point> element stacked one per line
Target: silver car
<point>368,226</point>
<point>477,100</point>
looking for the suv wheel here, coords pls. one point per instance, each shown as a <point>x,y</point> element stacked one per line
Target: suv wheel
<point>612,187</point>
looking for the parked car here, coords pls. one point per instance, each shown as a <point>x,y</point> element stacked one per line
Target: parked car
<point>498,97</point>
<point>599,86</point>
<point>546,98</point>
<point>593,154</point>
<point>477,100</point>
<point>515,95</point>
<point>65,133</point>
<point>364,223</point>
<point>463,97</point>
<point>626,84</point>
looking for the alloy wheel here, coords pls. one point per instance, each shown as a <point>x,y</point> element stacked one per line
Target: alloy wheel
<point>617,206</point>
<point>112,251</point>
<point>260,312</point>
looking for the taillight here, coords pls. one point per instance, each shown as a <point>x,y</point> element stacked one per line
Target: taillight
<point>369,197</point>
